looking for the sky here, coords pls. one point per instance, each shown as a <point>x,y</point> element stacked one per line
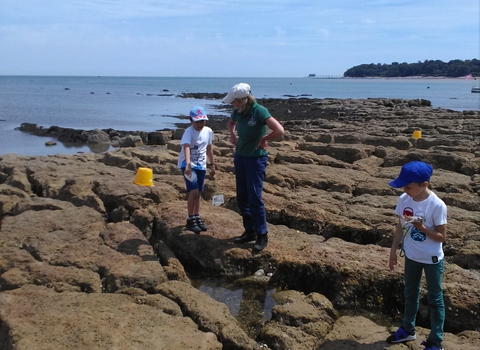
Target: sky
<point>230,38</point>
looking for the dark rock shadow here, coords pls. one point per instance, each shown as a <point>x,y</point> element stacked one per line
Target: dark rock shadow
<point>131,247</point>
<point>352,344</point>
<point>198,252</point>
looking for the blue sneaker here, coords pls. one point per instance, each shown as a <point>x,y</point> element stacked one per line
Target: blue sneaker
<point>401,335</point>
<point>429,346</point>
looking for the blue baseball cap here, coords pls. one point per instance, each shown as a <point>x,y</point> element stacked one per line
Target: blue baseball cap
<point>198,113</point>
<point>415,171</point>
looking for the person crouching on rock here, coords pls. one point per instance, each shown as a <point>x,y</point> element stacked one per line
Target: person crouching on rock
<point>196,147</point>
<point>251,121</point>
<point>422,225</point>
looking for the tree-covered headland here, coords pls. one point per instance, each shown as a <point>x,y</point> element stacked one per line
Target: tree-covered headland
<point>428,68</point>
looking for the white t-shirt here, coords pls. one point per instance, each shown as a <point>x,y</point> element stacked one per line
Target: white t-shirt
<point>198,141</point>
<point>416,244</point>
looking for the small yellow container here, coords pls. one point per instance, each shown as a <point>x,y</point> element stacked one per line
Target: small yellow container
<point>417,134</point>
<point>144,177</point>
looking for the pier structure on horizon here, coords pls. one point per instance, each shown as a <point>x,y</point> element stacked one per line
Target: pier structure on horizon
<point>330,76</point>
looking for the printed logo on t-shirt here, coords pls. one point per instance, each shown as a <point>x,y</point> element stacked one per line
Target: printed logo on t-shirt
<point>420,214</point>
<point>252,121</point>
<point>196,157</point>
<point>417,235</point>
<point>407,211</point>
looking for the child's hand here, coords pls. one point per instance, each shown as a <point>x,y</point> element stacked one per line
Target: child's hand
<point>393,259</point>
<point>413,219</point>
<point>212,172</point>
<point>418,224</point>
<point>188,169</point>
<point>233,139</point>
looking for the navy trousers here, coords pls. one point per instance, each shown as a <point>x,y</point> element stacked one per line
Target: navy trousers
<point>249,175</point>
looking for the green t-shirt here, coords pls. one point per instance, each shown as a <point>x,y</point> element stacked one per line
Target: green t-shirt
<point>251,128</point>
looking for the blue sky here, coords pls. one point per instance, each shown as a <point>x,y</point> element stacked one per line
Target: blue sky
<point>227,38</point>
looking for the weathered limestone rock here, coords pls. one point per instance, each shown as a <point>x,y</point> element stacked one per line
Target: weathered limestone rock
<point>96,261</point>
<point>35,317</point>
<point>130,141</point>
<point>159,137</point>
<point>210,315</point>
<point>299,321</point>
<point>98,136</point>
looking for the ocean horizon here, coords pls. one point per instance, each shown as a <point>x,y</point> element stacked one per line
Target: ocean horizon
<point>154,103</point>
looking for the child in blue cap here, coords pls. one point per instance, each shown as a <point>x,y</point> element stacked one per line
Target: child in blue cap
<point>422,225</point>
<point>196,145</point>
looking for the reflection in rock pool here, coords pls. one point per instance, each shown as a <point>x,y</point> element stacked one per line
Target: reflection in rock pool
<point>250,304</point>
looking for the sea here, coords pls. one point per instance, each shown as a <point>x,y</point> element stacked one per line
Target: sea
<point>154,103</point>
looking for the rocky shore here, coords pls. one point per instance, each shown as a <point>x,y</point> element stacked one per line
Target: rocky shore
<point>89,260</point>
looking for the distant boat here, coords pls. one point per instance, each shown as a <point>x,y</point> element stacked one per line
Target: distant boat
<point>476,89</point>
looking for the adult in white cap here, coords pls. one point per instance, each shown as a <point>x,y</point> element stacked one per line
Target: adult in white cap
<point>251,122</point>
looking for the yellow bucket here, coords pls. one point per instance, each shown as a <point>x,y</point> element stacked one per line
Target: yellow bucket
<point>144,177</point>
<point>417,134</point>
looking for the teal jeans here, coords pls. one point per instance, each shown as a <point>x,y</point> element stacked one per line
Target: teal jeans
<point>413,279</point>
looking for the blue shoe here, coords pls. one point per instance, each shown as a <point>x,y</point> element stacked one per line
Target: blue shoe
<point>429,346</point>
<point>401,335</point>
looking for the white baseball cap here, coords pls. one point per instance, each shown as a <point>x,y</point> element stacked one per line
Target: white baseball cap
<point>241,90</point>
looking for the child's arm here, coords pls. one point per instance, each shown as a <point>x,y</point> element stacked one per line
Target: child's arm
<point>397,239</point>
<point>186,150</point>
<point>210,157</point>
<point>438,235</point>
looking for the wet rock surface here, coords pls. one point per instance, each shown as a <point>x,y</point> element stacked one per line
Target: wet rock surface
<point>90,260</point>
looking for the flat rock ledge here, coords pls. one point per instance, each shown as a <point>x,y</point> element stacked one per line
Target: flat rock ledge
<point>89,260</point>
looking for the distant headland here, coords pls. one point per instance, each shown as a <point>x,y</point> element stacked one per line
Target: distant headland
<point>428,68</point>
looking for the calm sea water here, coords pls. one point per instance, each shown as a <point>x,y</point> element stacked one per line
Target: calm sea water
<point>150,103</point>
